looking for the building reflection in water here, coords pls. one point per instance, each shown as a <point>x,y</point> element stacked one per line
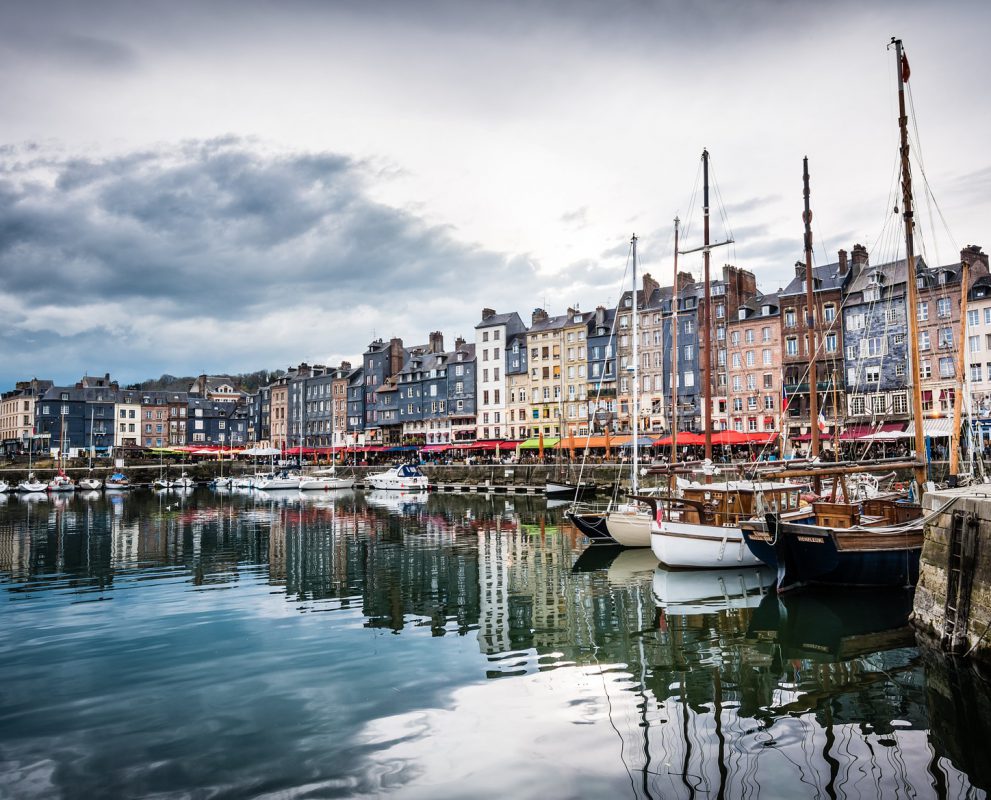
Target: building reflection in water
<point>714,686</point>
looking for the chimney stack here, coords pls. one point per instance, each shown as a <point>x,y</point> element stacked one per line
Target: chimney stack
<point>487,312</point>
<point>685,279</point>
<point>858,258</point>
<point>539,315</point>
<point>459,342</point>
<point>844,266</point>
<point>649,287</point>
<point>436,342</point>
<point>977,260</point>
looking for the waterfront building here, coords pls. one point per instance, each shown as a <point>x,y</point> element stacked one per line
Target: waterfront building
<point>380,362</point>
<point>74,419</point>
<point>219,388</point>
<point>753,366</point>
<point>623,341</point>
<point>355,423</point>
<point>462,402</point>
<point>127,416</point>
<point>601,387</point>
<point>17,412</point>
<point>163,418</point>
<point>829,283</point>
<point>517,386</point>
<point>978,343</point>
<point>340,378</point>
<point>545,345</point>
<point>491,337</point>
<point>279,413</point>
<point>653,400</point>
<point>574,373</point>
<point>208,421</point>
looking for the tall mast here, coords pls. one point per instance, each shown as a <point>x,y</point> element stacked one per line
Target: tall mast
<point>912,289</point>
<point>810,315</point>
<point>704,331</point>
<point>674,352</point>
<point>635,483</point>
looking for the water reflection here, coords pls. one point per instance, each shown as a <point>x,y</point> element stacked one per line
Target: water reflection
<point>344,643</point>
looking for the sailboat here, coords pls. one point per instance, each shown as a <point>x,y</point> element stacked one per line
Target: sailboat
<point>31,485</point>
<point>852,542</point>
<point>700,529</point>
<point>61,482</point>
<point>322,480</point>
<point>89,483</point>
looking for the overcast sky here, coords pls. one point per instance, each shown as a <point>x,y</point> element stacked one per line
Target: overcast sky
<point>195,187</point>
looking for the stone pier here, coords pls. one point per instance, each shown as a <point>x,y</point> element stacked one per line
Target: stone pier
<point>953,597</point>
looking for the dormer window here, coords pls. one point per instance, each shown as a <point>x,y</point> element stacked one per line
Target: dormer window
<point>765,311</point>
<point>629,302</point>
<point>578,318</point>
<point>942,277</point>
<point>743,313</point>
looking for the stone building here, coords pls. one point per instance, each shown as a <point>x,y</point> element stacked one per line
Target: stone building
<point>492,335</point>
<point>753,368</point>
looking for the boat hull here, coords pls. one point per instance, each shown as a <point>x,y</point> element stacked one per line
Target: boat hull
<point>694,546</point>
<point>710,591</point>
<point>325,484</point>
<point>809,555</point>
<point>593,526</point>
<point>630,529</point>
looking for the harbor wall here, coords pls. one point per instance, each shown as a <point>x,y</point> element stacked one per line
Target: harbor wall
<point>952,610</point>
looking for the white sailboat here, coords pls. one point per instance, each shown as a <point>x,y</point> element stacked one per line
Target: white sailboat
<point>61,482</point>
<point>30,485</point>
<point>89,483</point>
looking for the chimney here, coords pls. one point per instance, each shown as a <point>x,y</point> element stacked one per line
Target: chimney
<point>345,365</point>
<point>539,315</point>
<point>487,312</point>
<point>685,279</point>
<point>800,269</point>
<point>397,356</point>
<point>459,342</point>
<point>649,287</point>
<point>843,263</point>
<point>977,260</point>
<point>600,315</point>
<point>571,312</point>
<point>859,259</point>
<point>436,342</point>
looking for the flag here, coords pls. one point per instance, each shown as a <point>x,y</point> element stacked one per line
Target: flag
<point>905,70</point>
<point>822,423</point>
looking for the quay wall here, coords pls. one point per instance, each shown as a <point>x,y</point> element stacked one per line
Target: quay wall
<point>953,598</point>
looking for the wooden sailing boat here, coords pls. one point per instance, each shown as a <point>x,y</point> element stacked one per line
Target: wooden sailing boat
<point>852,542</point>
<point>700,529</point>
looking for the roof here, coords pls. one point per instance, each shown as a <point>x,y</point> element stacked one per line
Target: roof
<point>498,319</point>
<point>827,279</point>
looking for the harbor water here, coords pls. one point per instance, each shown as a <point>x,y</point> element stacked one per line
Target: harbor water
<point>355,644</point>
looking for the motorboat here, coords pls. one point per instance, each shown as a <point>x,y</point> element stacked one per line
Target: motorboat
<point>222,482</point>
<point>183,482</point>
<point>324,481</point>
<point>276,480</point>
<point>710,591</point>
<point>403,477</point>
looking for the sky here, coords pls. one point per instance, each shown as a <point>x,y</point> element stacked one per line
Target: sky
<point>221,187</point>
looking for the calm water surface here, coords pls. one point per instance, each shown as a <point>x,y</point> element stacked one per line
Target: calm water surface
<point>355,644</point>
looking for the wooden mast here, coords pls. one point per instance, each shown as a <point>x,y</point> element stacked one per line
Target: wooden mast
<point>674,352</point>
<point>961,366</point>
<point>704,329</point>
<point>635,482</point>
<point>810,315</point>
<point>911,281</point>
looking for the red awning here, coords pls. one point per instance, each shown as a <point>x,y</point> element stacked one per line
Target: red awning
<point>683,438</point>
<point>762,438</point>
<point>729,437</point>
<point>435,448</point>
<point>493,444</point>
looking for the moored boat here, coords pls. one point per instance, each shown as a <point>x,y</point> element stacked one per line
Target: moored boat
<point>405,476</point>
<point>276,481</point>
<point>4,487</point>
<point>327,480</point>
<point>31,485</point>
<point>61,483</point>
<point>117,482</point>
<point>90,484</point>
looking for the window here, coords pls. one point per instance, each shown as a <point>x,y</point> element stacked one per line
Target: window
<point>720,310</point>
<point>688,379</point>
<point>734,338</point>
<point>899,403</point>
<point>689,352</point>
<point>975,373</point>
<point>790,318</point>
<point>855,322</point>
<point>752,403</point>
<point>769,402</point>
<point>923,340</point>
<point>767,358</point>
<point>987,316</point>
<point>750,358</point>
<point>943,307</point>
<point>765,335</point>
<point>874,346</point>
<point>751,382</point>
<point>748,336</point>
<point>946,367</point>
<point>872,374</point>
<point>974,343</point>
<point>829,312</point>
<point>738,404</point>
<point>736,360</point>
<point>946,337</point>
<point>973,317</point>
<point>689,326</point>
<point>737,383</point>
<point>857,406</point>
<point>925,369</point>
<point>923,311</point>
<point>830,342</point>
<point>768,380</point>
<point>791,345</point>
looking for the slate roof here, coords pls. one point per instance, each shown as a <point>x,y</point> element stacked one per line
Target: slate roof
<point>827,278</point>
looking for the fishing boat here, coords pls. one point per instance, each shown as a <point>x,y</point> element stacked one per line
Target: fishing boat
<point>404,477</point>
<point>850,542</point>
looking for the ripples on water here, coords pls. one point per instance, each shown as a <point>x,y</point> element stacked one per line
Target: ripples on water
<point>357,645</point>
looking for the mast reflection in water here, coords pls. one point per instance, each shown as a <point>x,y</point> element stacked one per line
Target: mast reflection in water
<point>356,644</point>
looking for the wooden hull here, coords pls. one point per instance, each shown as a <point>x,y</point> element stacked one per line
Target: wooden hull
<point>809,555</point>
<point>695,546</point>
<point>761,542</point>
<point>629,529</point>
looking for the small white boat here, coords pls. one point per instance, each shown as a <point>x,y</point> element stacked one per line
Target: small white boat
<point>31,485</point>
<point>162,483</point>
<point>403,477</point>
<point>4,487</point>
<point>690,544</point>
<point>630,526</point>
<point>278,480</point>
<point>710,591</point>
<point>117,482</point>
<point>61,483</point>
<point>222,482</point>
<point>324,481</point>
<point>183,482</point>
<point>90,484</point>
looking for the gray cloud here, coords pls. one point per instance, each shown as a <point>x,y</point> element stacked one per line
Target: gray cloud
<point>91,51</point>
